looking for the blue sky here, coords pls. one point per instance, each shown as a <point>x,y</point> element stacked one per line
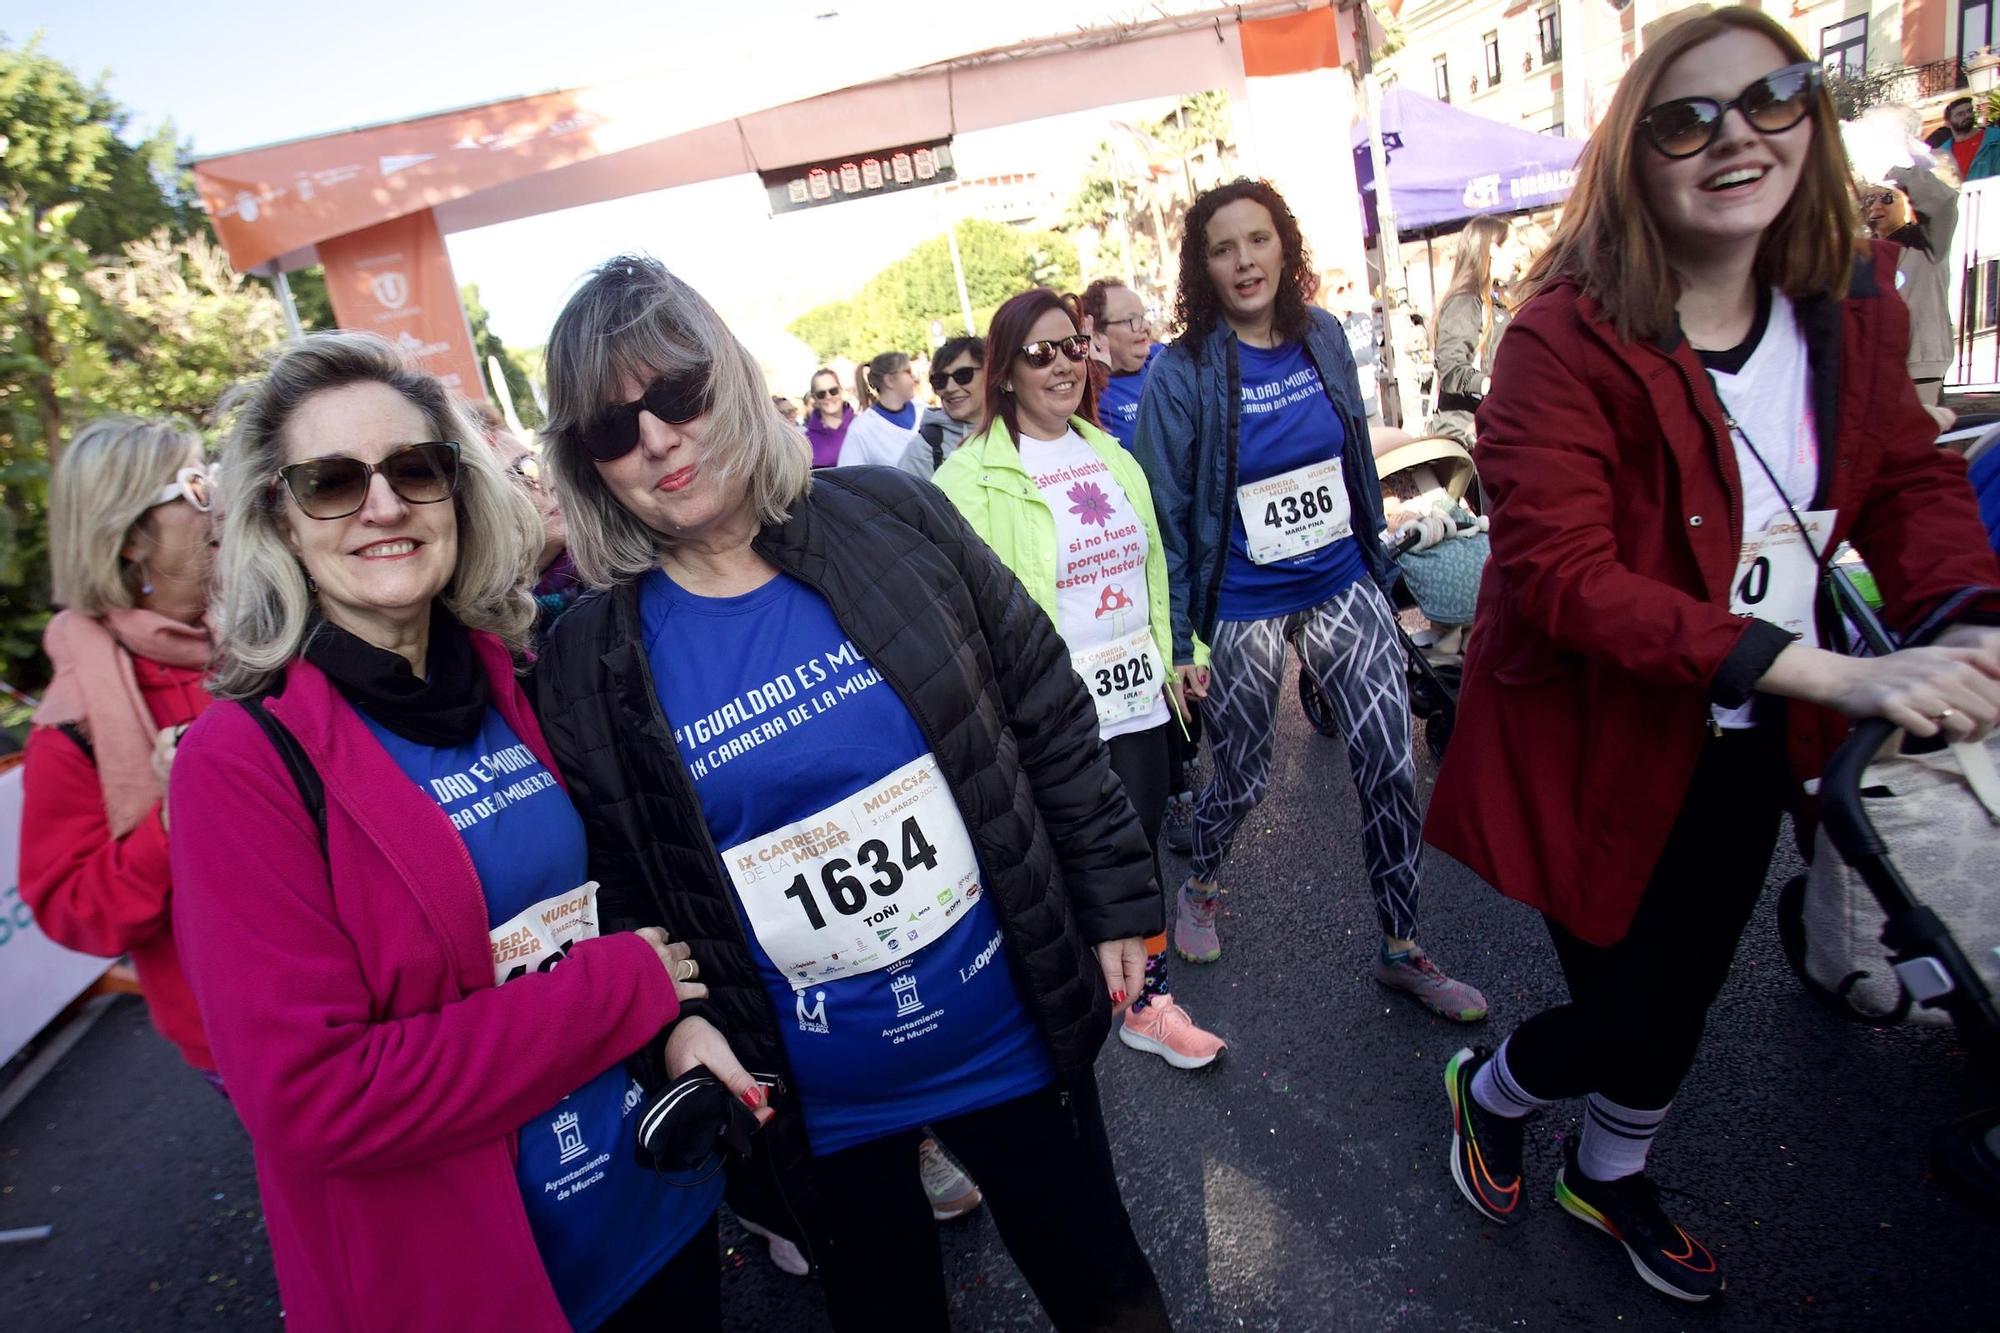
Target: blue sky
<point>231,74</point>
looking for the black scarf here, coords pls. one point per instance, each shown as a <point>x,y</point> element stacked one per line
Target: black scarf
<point>446,709</point>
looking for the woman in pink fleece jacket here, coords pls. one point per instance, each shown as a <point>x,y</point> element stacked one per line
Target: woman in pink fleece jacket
<point>440,1114</point>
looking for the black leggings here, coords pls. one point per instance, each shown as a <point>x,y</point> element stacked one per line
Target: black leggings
<point>1182,750</point>
<point>1141,761</point>
<point>1638,1007</point>
<point>1044,1165</point>
<point>685,1295</point>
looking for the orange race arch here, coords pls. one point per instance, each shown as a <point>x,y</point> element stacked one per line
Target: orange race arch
<point>373,204</point>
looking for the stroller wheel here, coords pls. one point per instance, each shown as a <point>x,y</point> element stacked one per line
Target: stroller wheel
<point>1437,731</point>
<point>1965,1157</point>
<point>1318,710</point>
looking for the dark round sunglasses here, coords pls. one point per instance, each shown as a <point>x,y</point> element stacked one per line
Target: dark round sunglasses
<point>336,486</point>
<point>1771,105</point>
<point>1039,354</point>
<point>674,399</point>
<point>961,377</point>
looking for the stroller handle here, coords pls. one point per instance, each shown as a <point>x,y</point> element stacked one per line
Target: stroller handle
<point>1912,932</point>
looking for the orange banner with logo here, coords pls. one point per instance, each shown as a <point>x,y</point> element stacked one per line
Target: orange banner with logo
<point>1294,44</point>
<point>395,279</point>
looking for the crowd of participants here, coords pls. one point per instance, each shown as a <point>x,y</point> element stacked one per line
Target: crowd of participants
<point>812,856</point>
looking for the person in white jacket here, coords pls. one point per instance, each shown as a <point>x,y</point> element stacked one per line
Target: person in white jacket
<point>885,414</point>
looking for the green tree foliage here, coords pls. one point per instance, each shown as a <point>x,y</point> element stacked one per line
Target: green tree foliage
<point>66,141</point>
<point>895,309</point>
<point>47,313</point>
<point>113,298</point>
<point>514,368</point>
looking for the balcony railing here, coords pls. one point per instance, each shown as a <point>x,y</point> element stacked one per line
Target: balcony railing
<point>1901,84</point>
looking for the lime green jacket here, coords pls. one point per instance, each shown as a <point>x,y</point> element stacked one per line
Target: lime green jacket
<point>987,482</point>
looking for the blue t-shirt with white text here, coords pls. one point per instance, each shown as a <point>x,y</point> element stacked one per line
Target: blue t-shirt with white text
<point>1285,421</point>
<point>780,719</point>
<point>1118,405</point>
<point>604,1224</point>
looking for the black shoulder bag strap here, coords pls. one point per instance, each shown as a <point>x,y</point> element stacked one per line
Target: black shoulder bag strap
<point>933,432</point>
<point>75,733</point>
<point>311,791</point>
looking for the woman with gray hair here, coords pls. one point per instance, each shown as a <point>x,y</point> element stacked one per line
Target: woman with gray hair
<point>818,730</point>
<point>377,872</point>
<point>131,546</point>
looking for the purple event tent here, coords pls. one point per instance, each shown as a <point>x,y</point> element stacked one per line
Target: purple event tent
<point>1447,165</point>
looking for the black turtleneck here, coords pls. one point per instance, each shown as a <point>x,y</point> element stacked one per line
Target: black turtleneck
<point>445,709</point>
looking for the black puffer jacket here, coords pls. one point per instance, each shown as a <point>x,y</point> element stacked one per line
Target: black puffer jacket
<point>990,684</point>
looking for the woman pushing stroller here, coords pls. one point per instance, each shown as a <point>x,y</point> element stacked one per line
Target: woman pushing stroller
<point>1702,398</point>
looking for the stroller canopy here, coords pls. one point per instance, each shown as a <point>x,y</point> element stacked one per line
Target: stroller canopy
<point>1447,165</point>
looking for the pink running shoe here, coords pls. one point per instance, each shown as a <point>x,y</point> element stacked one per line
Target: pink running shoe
<point>1194,927</point>
<point>1417,976</point>
<point>1165,1029</point>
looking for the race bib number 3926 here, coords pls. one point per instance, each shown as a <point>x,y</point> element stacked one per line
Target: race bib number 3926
<point>866,882</point>
<point>1294,512</point>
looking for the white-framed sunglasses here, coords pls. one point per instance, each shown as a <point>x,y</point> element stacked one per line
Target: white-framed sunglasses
<point>191,484</point>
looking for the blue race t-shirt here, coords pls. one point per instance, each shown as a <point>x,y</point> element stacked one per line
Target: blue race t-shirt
<point>852,868</point>
<point>1118,405</point>
<point>905,416</point>
<point>1285,422</point>
<point>603,1223</point>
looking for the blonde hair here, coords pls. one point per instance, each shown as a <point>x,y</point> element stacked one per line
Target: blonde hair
<point>1609,244</point>
<point>869,377</point>
<point>103,485</point>
<point>633,320</point>
<point>262,597</point>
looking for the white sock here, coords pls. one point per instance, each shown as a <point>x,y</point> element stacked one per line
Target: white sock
<point>1494,1088</point>
<point>1615,1138</point>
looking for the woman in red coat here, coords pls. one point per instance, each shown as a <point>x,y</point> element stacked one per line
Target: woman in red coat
<point>131,547</point>
<point>1704,398</point>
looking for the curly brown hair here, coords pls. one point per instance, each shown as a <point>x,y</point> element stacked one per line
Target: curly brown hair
<point>1196,307</point>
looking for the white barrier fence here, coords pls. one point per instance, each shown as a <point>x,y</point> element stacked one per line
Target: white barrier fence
<point>38,977</point>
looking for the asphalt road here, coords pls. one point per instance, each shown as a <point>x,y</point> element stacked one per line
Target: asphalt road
<point>1300,1184</point>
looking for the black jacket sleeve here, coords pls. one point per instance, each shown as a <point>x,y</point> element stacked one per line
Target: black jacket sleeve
<point>1106,865</point>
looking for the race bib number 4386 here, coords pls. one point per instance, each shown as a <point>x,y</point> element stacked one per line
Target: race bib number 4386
<point>866,882</point>
<point>1294,512</point>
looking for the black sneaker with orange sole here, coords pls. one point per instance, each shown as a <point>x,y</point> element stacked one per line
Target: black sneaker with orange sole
<point>1628,1210</point>
<point>1485,1148</point>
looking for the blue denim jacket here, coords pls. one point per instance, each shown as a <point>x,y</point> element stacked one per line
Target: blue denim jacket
<point>1186,440</point>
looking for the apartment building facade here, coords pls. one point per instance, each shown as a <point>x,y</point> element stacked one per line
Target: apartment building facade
<point>1552,65</point>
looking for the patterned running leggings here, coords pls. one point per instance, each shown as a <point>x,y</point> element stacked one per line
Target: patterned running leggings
<point>1349,644</point>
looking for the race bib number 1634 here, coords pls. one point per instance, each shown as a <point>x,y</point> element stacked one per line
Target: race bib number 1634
<point>866,882</point>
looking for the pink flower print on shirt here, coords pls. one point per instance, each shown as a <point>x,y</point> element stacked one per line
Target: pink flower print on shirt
<point>1089,503</point>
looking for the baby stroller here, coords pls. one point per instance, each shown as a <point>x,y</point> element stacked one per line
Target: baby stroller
<point>1824,919</point>
<point>1434,599</point>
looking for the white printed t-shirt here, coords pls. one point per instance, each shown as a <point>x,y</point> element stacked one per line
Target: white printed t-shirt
<point>1101,551</point>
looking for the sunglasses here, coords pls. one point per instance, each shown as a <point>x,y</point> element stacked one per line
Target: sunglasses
<point>190,484</point>
<point>336,486</point>
<point>1039,354</point>
<point>834,392</point>
<point>674,400</point>
<point>963,376</point>
<point>1772,105</point>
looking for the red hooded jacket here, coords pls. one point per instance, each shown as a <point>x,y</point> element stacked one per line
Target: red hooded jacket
<point>1604,630</point>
